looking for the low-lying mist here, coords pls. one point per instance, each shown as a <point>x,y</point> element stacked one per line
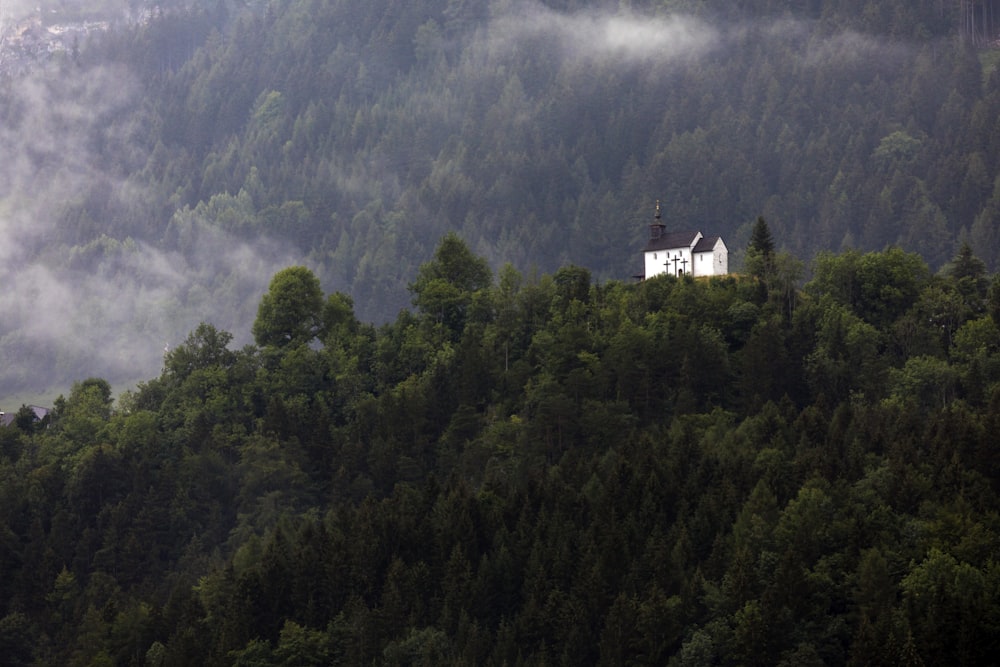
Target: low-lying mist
<point>91,301</point>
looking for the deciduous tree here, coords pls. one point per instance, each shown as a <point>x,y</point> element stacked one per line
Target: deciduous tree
<point>291,312</point>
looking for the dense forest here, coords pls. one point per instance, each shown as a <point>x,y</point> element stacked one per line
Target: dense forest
<point>395,398</point>
<point>159,173</point>
<point>532,470</point>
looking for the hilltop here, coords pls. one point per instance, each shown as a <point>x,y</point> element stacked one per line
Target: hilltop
<point>526,471</point>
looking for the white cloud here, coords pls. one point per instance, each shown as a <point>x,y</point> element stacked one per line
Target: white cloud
<point>628,37</point>
<point>624,36</point>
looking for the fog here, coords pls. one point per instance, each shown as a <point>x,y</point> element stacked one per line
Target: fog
<point>626,37</point>
<point>623,36</point>
<point>110,306</point>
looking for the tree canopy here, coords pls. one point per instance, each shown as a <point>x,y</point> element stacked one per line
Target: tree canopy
<point>666,472</point>
<point>445,286</point>
<point>291,312</point>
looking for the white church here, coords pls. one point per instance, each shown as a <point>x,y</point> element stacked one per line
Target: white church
<point>679,253</point>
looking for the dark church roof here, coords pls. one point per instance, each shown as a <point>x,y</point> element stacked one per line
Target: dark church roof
<point>669,240</point>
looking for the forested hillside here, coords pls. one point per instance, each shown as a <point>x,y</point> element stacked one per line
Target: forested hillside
<point>532,471</point>
<point>160,172</point>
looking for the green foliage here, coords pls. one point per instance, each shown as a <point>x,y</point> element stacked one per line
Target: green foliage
<point>759,261</point>
<point>445,287</point>
<point>291,312</point>
<point>26,419</point>
<point>16,640</point>
<point>204,348</point>
<point>545,468</point>
<point>878,287</point>
<point>895,149</point>
<point>947,606</point>
<point>928,381</point>
<point>847,357</point>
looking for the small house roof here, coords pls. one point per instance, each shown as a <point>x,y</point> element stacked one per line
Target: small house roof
<point>7,418</point>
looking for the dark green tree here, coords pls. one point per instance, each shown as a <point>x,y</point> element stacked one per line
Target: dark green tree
<point>339,321</point>
<point>204,347</point>
<point>16,640</point>
<point>993,299</point>
<point>85,414</point>
<point>26,419</point>
<point>760,250</point>
<point>445,287</point>
<point>760,259</point>
<point>878,287</point>
<point>969,274</point>
<point>966,265</point>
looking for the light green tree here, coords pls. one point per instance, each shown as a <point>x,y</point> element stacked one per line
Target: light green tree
<point>291,312</point>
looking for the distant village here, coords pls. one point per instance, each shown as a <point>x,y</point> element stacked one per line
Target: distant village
<point>28,42</point>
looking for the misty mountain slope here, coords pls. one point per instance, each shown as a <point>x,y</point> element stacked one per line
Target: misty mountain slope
<point>351,136</point>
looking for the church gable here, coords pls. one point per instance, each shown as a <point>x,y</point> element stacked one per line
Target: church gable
<point>711,257</point>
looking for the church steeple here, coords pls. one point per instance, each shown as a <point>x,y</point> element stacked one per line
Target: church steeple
<point>657,227</point>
